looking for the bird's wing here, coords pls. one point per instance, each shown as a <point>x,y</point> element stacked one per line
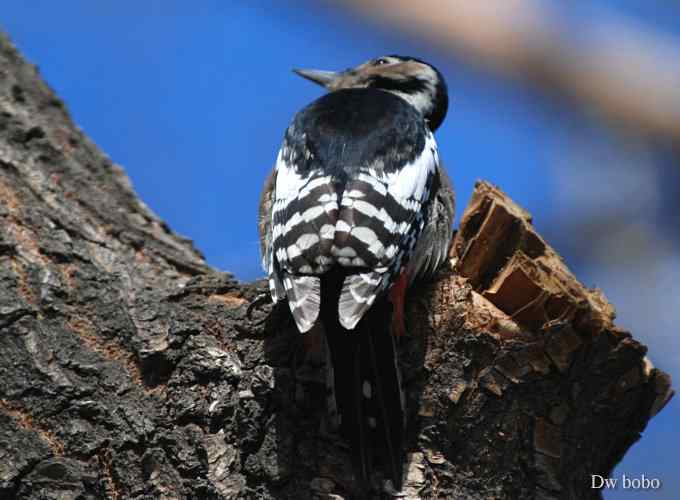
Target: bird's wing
<point>382,215</point>
<point>265,230</point>
<point>304,213</point>
<point>432,247</point>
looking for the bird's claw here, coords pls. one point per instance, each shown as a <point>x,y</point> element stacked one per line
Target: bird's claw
<point>261,299</point>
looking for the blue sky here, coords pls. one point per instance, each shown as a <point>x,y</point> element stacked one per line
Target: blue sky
<point>193,102</point>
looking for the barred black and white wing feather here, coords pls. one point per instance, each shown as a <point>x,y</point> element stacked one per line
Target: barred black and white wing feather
<point>336,201</point>
<point>382,214</point>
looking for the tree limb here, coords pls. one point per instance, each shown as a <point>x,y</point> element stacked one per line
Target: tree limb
<point>131,369</point>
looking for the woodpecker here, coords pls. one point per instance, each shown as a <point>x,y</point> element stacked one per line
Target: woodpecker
<point>357,207</point>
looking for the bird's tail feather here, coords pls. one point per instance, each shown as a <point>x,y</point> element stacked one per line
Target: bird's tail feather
<point>387,403</point>
<point>367,385</point>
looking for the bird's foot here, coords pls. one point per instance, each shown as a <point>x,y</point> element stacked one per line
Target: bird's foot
<point>260,300</point>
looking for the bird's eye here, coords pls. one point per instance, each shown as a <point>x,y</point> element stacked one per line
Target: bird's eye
<point>380,62</point>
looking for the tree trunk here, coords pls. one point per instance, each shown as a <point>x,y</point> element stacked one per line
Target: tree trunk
<point>131,369</point>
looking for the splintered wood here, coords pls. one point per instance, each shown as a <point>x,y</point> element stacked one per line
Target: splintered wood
<point>521,353</point>
<point>505,260</point>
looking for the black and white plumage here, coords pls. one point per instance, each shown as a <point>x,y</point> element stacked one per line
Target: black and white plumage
<point>357,201</point>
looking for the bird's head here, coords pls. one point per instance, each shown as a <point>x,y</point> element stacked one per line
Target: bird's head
<point>419,83</point>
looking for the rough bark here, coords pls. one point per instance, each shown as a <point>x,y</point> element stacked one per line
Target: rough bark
<point>131,369</point>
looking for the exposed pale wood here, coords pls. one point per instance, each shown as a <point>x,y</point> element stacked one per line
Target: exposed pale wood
<point>131,369</point>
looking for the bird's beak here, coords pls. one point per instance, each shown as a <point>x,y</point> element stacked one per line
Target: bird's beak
<point>323,78</point>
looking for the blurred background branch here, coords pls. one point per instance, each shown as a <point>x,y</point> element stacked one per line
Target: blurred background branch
<point>629,74</point>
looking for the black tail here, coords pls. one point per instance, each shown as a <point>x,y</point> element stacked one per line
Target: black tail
<point>366,384</point>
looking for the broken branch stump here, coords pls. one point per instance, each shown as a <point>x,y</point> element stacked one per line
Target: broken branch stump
<point>130,369</point>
